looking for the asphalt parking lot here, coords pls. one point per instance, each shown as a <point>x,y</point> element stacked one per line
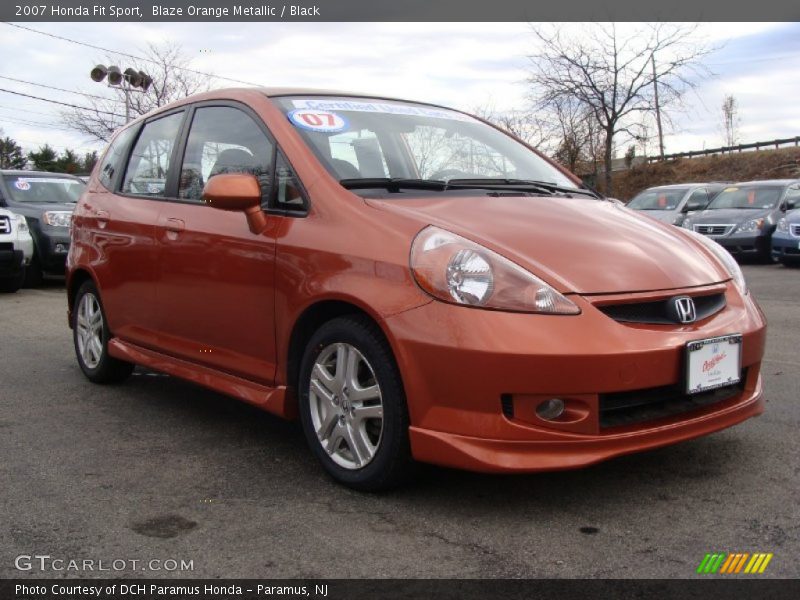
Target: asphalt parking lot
<point>161,469</point>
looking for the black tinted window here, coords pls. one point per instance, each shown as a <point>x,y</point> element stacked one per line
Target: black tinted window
<point>223,139</point>
<point>148,166</point>
<point>113,160</point>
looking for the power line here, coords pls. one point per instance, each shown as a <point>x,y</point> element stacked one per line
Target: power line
<point>52,87</point>
<point>105,112</point>
<point>25,110</point>
<point>133,56</point>
<point>4,119</point>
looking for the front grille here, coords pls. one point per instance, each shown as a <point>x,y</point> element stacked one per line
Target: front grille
<point>713,229</point>
<point>657,312</point>
<point>5,224</point>
<point>627,408</point>
<point>795,229</point>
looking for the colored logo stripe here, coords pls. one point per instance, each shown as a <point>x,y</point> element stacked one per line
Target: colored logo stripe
<point>737,562</point>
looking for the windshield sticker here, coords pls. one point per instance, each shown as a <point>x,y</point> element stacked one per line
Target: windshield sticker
<point>22,185</point>
<point>28,180</point>
<point>388,108</point>
<point>318,120</point>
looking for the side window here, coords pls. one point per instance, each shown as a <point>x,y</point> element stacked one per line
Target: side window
<point>699,197</point>
<point>113,160</point>
<point>288,195</point>
<point>223,139</point>
<point>148,166</point>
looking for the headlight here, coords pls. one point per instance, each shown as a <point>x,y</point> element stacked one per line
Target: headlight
<point>783,225</point>
<point>57,218</point>
<point>454,269</point>
<point>22,224</point>
<point>687,223</point>
<point>752,225</point>
<point>725,258</point>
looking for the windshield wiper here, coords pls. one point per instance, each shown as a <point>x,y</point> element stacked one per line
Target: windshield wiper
<point>546,186</point>
<point>393,184</point>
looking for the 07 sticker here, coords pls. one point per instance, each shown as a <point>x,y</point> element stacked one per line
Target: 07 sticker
<point>318,120</point>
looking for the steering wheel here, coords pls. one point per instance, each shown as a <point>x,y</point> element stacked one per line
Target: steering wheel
<point>450,174</point>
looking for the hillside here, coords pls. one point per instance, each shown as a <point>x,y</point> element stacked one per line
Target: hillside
<point>765,164</point>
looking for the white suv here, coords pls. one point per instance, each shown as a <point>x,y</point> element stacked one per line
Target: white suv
<point>16,250</point>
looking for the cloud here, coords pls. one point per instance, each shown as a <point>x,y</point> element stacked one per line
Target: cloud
<point>457,64</point>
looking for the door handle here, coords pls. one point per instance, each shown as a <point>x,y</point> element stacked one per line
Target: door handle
<point>174,225</point>
<point>102,218</point>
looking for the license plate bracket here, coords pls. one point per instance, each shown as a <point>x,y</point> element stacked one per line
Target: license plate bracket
<point>713,363</point>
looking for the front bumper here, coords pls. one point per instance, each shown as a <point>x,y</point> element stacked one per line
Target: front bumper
<point>744,243</point>
<point>53,250</point>
<point>11,262</point>
<point>785,246</point>
<point>460,366</point>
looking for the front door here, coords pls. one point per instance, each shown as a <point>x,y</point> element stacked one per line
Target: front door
<point>215,283</point>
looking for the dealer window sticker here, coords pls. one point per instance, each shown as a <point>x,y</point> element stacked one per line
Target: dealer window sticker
<point>390,108</point>
<point>22,185</point>
<point>318,120</point>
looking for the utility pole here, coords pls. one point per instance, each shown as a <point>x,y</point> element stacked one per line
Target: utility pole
<point>658,109</point>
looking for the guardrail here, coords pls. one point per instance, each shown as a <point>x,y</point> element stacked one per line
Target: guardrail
<point>728,149</point>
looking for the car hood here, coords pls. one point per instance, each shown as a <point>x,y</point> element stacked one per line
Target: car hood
<point>577,245</point>
<point>729,216</point>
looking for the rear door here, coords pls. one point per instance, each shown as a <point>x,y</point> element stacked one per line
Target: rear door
<point>119,216</point>
<point>215,292</point>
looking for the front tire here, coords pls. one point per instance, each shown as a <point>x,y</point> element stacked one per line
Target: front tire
<point>91,335</point>
<point>352,405</point>
<point>33,273</point>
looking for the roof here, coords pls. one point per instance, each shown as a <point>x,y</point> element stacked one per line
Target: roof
<point>768,182</point>
<point>23,173</point>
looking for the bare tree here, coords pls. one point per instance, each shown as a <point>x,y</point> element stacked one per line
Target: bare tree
<point>730,120</point>
<point>532,128</point>
<point>167,65</point>
<point>611,75</point>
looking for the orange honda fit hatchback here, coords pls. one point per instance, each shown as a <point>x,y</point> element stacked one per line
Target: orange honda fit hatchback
<point>409,281</point>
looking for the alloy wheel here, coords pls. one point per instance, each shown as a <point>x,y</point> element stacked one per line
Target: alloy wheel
<point>346,406</point>
<point>90,330</point>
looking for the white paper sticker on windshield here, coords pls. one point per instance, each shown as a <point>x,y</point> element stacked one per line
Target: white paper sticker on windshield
<point>389,108</point>
<point>29,180</point>
<point>318,120</point>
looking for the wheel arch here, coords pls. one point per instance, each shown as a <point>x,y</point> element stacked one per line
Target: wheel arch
<point>311,319</point>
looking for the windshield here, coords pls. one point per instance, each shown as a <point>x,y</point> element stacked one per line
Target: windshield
<point>360,138</point>
<point>658,199</point>
<point>747,196</point>
<point>44,190</point>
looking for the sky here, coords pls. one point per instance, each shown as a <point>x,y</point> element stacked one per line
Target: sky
<point>463,65</point>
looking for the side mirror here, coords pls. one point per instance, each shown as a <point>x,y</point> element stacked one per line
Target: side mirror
<point>692,206</point>
<point>237,192</point>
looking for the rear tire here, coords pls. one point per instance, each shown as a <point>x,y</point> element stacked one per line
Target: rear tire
<point>90,335</point>
<point>9,285</point>
<point>352,405</point>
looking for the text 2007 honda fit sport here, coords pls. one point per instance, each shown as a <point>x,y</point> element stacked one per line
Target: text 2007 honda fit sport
<point>410,281</point>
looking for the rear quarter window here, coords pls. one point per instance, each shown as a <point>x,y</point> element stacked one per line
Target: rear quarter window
<point>113,162</point>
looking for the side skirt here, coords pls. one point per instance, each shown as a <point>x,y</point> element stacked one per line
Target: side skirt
<point>275,400</point>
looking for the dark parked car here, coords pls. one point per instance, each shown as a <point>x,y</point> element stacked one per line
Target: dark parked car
<point>46,200</point>
<point>670,203</point>
<point>786,239</point>
<point>743,216</point>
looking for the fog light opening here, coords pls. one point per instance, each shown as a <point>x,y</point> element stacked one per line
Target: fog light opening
<point>61,248</point>
<point>551,409</point>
